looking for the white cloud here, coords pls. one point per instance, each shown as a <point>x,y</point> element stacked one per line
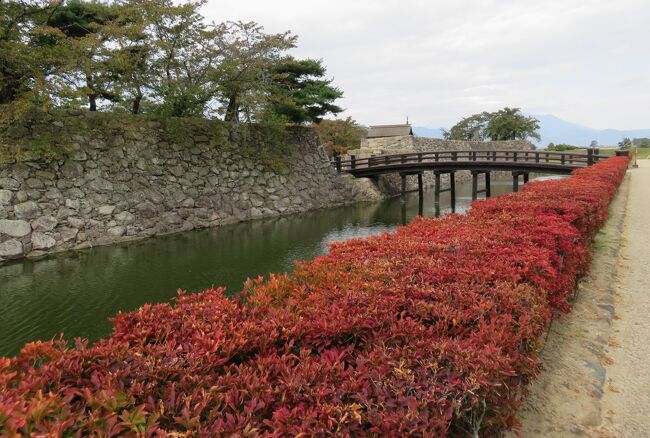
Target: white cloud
<point>586,61</point>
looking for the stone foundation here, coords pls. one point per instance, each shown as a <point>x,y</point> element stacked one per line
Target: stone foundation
<point>128,177</point>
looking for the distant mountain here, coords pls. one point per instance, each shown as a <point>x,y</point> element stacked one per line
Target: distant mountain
<point>555,130</point>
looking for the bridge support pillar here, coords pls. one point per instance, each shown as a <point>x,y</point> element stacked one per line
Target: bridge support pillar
<point>451,189</point>
<point>475,190</point>
<point>488,188</point>
<point>515,179</point>
<point>420,188</point>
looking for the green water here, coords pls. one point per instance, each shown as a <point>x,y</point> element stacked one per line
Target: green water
<point>74,293</point>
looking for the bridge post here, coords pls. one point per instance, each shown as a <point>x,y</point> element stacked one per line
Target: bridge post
<point>403,194</point>
<point>353,161</point>
<point>515,182</point>
<point>488,192</point>
<point>526,176</point>
<point>436,196</point>
<point>590,157</point>
<point>452,188</point>
<point>474,185</point>
<point>420,188</point>
<point>337,161</point>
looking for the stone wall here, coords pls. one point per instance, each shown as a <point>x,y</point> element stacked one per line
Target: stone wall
<point>424,144</point>
<point>128,177</point>
<point>410,143</point>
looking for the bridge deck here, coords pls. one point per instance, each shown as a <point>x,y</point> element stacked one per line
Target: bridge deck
<point>516,161</point>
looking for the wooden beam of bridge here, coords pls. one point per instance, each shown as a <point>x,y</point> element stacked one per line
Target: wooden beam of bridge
<point>515,161</point>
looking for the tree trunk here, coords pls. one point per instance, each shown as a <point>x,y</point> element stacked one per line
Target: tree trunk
<point>6,95</point>
<point>92,102</point>
<point>136,105</point>
<point>92,96</point>
<point>232,111</point>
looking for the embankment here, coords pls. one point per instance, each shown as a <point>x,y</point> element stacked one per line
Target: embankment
<point>81,179</point>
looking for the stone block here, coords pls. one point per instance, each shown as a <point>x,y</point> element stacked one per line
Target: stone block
<point>5,197</point>
<point>68,234</point>
<point>42,241</point>
<point>44,223</point>
<point>26,210</point>
<point>117,231</point>
<point>72,170</point>
<point>11,249</point>
<point>125,217</point>
<point>106,209</point>
<point>9,183</point>
<point>15,228</point>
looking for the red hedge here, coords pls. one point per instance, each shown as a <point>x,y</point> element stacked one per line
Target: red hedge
<point>432,330</point>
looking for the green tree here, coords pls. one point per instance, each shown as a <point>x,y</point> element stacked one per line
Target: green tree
<point>182,52</point>
<point>561,147</point>
<point>625,143</point>
<point>505,124</point>
<point>511,124</point>
<point>85,32</point>
<point>339,135</point>
<point>641,142</point>
<point>243,76</point>
<point>154,56</point>
<point>299,93</point>
<point>469,128</point>
<point>26,61</point>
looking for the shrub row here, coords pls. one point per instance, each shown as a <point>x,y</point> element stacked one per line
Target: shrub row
<point>431,330</point>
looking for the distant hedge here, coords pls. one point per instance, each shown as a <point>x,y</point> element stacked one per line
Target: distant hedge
<point>431,330</point>
<point>562,147</point>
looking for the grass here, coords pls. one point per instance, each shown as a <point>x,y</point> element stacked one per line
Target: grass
<point>643,153</point>
<point>601,151</point>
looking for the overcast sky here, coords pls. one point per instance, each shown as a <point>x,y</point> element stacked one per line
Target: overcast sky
<point>586,61</point>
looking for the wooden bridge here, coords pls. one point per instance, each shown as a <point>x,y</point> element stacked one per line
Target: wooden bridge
<point>478,162</point>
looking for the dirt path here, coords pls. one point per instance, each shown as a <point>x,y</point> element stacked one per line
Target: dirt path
<point>597,359</point>
<point>626,403</point>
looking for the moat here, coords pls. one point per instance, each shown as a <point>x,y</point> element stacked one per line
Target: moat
<point>76,292</point>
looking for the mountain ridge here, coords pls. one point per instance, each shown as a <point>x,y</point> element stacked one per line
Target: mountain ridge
<point>555,130</point>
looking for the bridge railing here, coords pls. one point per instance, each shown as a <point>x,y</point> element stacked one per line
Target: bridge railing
<point>485,156</point>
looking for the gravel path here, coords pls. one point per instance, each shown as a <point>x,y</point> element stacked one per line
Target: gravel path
<point>596,381</point>
<point>626,403</point>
